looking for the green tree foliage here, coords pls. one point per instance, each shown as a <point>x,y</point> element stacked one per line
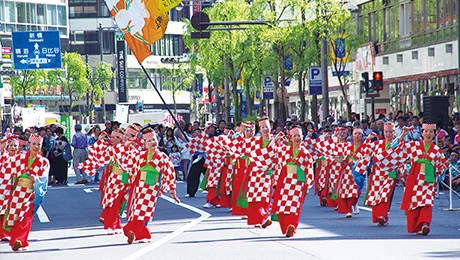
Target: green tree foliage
<point>177,79</point>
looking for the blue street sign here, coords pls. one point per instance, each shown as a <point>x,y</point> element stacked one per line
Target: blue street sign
<point>314,79</point>
<point>36,50</point>
<point>268,88</point>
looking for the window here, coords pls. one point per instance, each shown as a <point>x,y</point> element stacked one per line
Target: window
<point>51,15</point>
<point>448,48</point>
<point>61,15</point>
<point>10,12</point>
<point>31,13</point>
<point>431,52</point>
<point>88,8</point>
<point>419,16</point>
<point>399,58</point>
<point>21,8</point>
<point>415,55</point>
<point>41,15</point>
<point>405,19</point>
<point>431,14</point>
<point>385,60</point>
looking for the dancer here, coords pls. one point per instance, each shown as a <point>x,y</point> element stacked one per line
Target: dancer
<point>29,171</point>
<point>147,168</point>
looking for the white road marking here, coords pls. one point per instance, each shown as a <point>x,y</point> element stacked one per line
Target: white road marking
<point>88,190</point>
<point>365,208</point>
<point>42,215</point>
<point>175,233</point>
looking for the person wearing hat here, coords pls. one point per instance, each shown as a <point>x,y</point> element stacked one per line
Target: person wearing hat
<point>79,144</point>
<point>427,161</point>
<point>30,170</point>
<point>381,184</point>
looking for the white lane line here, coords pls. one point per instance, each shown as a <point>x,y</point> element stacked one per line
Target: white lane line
<point>175,233</point>
<point>88,190</point>
<point>42,215</point>
<point>365,208</point>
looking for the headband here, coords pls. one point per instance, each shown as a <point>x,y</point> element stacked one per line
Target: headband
<point>247,125</point>
<point>116,134</point>
<point>343,129</point>
<point>150,135</point>
<point>264,122</point>
<point>35,139</point>
<point>389,126</point>
<point>129,130</point>
<point>429,127</point>
<point>295,131</point>
<point>357,129</point>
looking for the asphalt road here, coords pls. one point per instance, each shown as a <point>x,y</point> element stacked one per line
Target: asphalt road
<point>187,231</point>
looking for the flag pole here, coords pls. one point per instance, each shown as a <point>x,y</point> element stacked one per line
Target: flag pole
<point>166,105</point>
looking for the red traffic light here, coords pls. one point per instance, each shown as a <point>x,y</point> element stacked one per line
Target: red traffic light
<point>377,76</point>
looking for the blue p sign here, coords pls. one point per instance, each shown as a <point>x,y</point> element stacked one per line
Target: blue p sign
<point>315,73</point>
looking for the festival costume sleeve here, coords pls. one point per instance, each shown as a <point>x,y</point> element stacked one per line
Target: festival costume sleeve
<point>168,179</point>
<point>197,144</point>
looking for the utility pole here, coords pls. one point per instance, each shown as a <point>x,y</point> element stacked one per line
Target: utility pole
<point>325,83</point>
<point>227,93</point>
<point>101,41</point>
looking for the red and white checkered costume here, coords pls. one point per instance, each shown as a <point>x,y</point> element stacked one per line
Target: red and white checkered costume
<point>347,187</point>
<point>97,158</point>
<point>198,144</point>
<point>418,192</point>
<point>22,199</point>
<point>314,147</point>
<point>113,187</point>
<point>145,196</point>
<point>381,184</point>
<point>332,149</point>
<point>259,183</point>
<point>290,193</point>
<point>6,183</point>
<point>214,161</point>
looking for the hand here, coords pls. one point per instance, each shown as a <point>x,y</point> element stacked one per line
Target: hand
<point>129,142</point>
<point>231,133</point>
<point>371,135</point>
<point>279,136</point>
<point>102,135</point>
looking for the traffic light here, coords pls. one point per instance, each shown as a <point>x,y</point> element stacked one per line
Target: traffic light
<point>378,80</point>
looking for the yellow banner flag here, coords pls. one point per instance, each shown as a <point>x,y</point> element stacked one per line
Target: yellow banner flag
<point>166,5</point>
<point>141,23</point>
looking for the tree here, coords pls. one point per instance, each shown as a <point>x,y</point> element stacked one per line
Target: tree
<point>23,81</point>
<point>98,81</point>
<point>177,80</point>
<point>73,77</point>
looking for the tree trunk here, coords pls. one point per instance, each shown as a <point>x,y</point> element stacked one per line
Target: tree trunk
<point>248,98</point>
<point>301,95</point>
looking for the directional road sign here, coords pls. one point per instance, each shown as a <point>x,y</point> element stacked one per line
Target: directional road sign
<point>36,50</point>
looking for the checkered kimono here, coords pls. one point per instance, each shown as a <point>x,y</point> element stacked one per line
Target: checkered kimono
<point>145,196</point>
<point>6,182</point>
<point>113,186</point>
<point>215,161</point>
<point>198,144</point>
<point>22,199</point>
<point>380,182</point>
<point>347,187</point>
<point>290,193</point>
<point>333,150</point>
<point>314,147</point>
<point>98,158</point>
<point>418,192</point>
<point>259,184</point>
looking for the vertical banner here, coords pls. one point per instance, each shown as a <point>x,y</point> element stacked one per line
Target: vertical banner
<point>121,114</point>
<point>40,116</point>
<point>121,72</point>
<point>65,121</point>
<point>28,117</point>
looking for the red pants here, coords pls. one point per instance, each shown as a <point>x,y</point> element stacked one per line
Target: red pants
<point>257,212</point>
<point>330,202</point>
<point>237,186</point>
<point>416,218</point>
<point>288,219</point>
<point>20,231</point>
<point>212,197</point>
<point>112,217</point>
<point>3,232</point>
<point>225,200</point>
<point>345,204</point>
<point>380,210</point>
<point>139,229</point>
